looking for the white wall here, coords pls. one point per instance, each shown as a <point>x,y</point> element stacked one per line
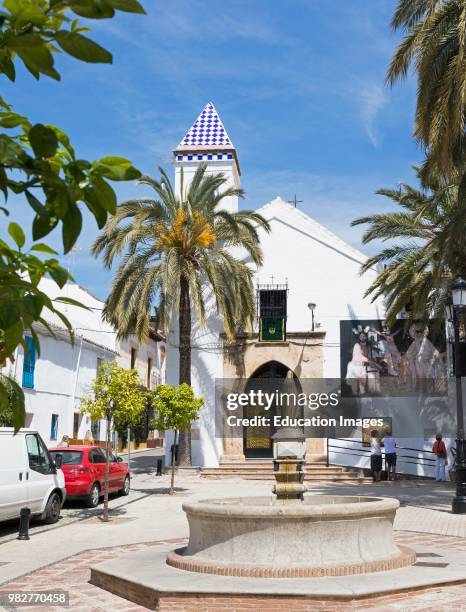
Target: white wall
<point>320,268</point>
<point>64,372</point>
<point>144,351</point>
<point>414,456</point>
<point>206,366</point>
<point>227,167</point>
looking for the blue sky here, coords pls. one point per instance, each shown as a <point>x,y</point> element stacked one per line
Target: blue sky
<point>299,86</point>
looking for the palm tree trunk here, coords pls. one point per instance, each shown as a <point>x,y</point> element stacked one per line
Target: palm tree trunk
<point>184,450</point>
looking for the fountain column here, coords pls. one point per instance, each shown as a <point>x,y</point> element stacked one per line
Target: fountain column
<point>289,450</point>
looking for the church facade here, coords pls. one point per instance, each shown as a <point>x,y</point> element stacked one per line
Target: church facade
<point>308,287</point>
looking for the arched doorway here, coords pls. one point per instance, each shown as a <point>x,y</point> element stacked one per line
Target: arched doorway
<point>270,377</point>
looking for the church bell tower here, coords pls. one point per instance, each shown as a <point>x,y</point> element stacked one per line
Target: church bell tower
<point>207,142</point>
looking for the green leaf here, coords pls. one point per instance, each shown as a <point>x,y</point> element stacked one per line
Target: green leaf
<point>43,248</point>
<point>82,48</point>
<point>36,204</point>
<point>27,13</point>
<point>59,274</point>
<point>33,303</point>
<point>34,53</point>
<point>11,120</point>
<point>43,225</point>
<point>72,224</point>
<point>9,150</point>
<point>129,6</point>
<point>66,323</point>
<point>93,205</point>
<point>7,66</point>
<point>4,186</point>
<point>12,411</point>
<point>92,9</point>
<point>62,138</point>
<point>17,234</point>
<point>9,313</point>
<point>44,141</point>
<point>117,169</point>
<point>105,195</point>
<point>12,336</point>
<point>67,300</point>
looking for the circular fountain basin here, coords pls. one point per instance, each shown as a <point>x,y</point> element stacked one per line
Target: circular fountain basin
<point>262,537</point>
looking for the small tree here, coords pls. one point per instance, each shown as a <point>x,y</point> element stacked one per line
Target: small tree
<point>11,396</point>
<point>117,396</point>
<point>175,408</point>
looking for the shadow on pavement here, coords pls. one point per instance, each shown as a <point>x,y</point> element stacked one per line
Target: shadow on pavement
<point>431,494</point>
<point>159,490</point>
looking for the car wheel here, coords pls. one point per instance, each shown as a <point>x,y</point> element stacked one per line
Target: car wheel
<point>126,487</point>
<point>92,500</point>
<point>52,510</point>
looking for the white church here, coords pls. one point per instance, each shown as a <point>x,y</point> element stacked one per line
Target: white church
<point>309,294</point>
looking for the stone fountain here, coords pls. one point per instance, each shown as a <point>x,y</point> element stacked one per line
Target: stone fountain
<point>291,535</point>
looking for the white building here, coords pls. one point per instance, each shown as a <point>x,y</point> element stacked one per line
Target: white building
<point>312,279</point>
<point>55,380</point>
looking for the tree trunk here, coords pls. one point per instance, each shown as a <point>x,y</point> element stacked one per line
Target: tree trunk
<point>184,452</point>
<point>107,471</point>
<point>172,484</point>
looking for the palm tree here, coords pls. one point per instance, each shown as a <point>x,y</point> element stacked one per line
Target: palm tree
<point>435,44</point>
<point>429,248</point>
<point>177,253</point>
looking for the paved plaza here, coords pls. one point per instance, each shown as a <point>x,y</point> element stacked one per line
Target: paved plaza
<point>60,556</point>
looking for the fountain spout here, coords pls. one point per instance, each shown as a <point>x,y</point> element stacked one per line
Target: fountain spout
<point>289,460</point>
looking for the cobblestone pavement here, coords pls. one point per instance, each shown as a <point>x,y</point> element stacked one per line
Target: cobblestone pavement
<point>72,575</point>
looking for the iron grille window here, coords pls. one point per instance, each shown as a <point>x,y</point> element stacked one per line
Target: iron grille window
<point>272,312</point>
<point>272,303</point>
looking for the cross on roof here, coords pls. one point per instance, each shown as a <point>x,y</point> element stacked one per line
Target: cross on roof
<point>294,201</point>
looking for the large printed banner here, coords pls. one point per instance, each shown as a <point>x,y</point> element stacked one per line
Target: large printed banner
<point>393,380</point>
<point>399,361</point>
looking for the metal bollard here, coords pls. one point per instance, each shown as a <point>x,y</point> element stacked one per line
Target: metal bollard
<point>24,518</point>
<point>159,467</point>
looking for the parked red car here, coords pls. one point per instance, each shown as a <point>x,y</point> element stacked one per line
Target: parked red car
<point>84,470</point>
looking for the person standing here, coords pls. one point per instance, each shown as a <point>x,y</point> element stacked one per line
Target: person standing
<point>440,450</point>
<point>389,444</point>
<point>65,441</point>
<point>376,456</point>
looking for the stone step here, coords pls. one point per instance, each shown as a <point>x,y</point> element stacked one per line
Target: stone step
<point>308,468</point>
<point>212,471</point>
<point>307,478</point>
<point>317,475</point>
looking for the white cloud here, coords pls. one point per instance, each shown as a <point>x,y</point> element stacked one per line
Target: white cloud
<point>370,98</point>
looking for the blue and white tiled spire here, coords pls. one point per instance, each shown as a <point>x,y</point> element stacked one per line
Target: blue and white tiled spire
<point>207,131</point>
<point>207,142</point>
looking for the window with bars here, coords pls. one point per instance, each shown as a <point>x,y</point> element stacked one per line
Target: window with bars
<point>272,302</point>
<point>29,363</point>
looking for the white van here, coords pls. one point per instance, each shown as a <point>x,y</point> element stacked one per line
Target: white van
<point>29,477</point>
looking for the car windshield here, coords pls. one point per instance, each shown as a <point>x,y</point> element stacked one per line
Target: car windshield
<point>69,457</point>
